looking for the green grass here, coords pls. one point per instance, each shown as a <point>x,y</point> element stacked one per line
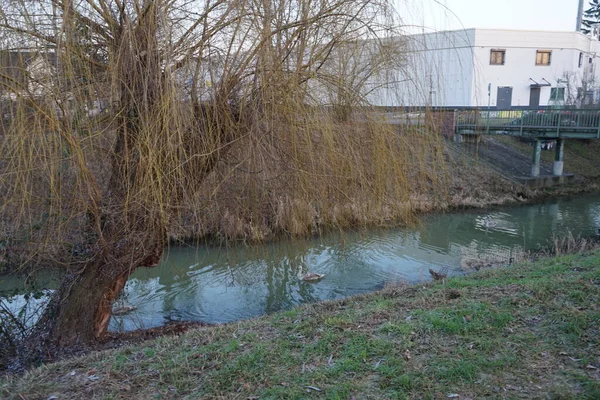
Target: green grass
<point>529,331</point>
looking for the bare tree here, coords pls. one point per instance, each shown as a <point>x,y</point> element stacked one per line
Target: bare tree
<point>579,89</point>
<point>142,100</point>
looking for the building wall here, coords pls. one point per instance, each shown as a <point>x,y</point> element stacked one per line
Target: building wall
<point>437,70</point>
<point>520,64</point>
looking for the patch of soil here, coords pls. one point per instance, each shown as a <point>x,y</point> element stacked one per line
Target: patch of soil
<point>507,160</point>
<point>113,340</point>
<point>172,328</point>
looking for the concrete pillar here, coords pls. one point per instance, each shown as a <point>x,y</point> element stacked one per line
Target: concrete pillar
<point>557,167</point>
<point>535,159</point>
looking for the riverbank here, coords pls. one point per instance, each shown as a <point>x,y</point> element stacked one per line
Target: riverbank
<point>528,331</point>
<point>472,179</point>
<point>476,176</point>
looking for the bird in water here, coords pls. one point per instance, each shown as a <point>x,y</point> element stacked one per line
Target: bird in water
<point>489,222</point>
<point>312,277</point>
<point>438,276</point>
<point>123,309</point>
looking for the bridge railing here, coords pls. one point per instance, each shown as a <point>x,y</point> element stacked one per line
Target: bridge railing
<point>570,121</point>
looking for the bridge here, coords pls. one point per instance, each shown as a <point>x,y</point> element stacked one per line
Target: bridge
<point>537,125</point>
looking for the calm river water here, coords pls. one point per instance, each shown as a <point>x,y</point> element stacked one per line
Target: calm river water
<point>213,284</point>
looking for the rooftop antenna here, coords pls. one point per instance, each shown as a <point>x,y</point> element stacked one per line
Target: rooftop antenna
<point>579,16</point>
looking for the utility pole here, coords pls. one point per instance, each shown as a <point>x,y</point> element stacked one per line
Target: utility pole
<point>579,16</point>
<point>487,128</point>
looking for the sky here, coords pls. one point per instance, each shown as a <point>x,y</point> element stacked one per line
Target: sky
<point>557,15</point>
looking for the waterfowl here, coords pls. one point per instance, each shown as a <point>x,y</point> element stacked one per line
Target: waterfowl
<point>312,277</point>
<point>438,276</point>
<point>123,310</point>
<point>488,222</point>
<point>470,264</point>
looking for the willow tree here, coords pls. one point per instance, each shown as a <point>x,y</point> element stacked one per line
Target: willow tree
<point>133,106</point>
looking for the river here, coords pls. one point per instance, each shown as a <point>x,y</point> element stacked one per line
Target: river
<point>224,284</point>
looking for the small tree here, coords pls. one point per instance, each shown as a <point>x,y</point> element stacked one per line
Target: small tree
<point>591,17</point>
<point>578,87</point>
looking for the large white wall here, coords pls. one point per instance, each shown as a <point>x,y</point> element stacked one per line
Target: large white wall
<point>519,67</point>
<point>437,70</point>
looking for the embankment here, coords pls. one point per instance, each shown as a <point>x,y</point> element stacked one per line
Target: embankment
<point>527,331</point>
<point>246,207</point>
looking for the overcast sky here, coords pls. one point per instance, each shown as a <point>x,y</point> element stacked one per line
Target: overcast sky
<point>507,14</point>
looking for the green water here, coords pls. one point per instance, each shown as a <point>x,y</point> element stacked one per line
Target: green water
<point>214,284</point>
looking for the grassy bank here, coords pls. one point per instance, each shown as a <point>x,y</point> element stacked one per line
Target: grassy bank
<point>530,331</point>
<point>581,157</point>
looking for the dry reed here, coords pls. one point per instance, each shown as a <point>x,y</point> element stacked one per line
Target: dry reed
<point>239,120</point>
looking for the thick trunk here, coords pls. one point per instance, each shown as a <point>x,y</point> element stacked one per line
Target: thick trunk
<point>82,307</point>
<point>80,311</point>
<point>127,223</point>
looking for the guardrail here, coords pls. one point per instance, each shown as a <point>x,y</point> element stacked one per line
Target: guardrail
<point>573,123</point>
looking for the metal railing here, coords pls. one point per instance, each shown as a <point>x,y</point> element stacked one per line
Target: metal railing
<point>568,123</point>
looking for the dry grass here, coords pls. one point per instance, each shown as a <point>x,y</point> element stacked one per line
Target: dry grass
<point>569,244</point>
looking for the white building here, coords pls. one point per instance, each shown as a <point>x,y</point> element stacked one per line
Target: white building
<point>522,69</point>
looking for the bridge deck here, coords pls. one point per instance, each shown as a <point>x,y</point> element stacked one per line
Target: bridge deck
<point>550,124</point>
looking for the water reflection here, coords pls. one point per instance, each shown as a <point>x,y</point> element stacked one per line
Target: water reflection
<point>220,285</point>
<point>215,284</point>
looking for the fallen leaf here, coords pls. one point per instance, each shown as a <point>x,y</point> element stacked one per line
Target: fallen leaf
<point>407,355</point>
<point>452,396</point>
<point>309,388</point>
<point>589,366</point>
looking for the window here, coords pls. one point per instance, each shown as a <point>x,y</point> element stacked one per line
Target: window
<point>580,59</point>
<point>542,57</point>
<point>557,94</point>
<point>497,57</point>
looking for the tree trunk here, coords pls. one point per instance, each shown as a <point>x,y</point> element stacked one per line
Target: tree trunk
<point>128,236</point>
<point>80,310</point>
<point>126,230</point>
<point>82,307</point>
